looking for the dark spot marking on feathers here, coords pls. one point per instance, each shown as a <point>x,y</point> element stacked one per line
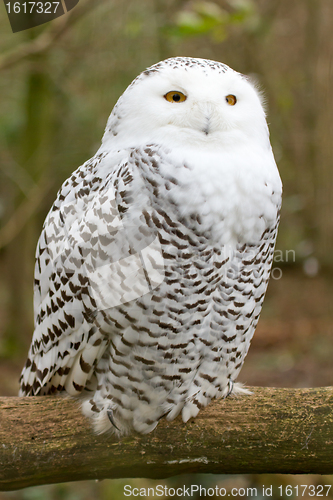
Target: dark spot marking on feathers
<point>85,367</point>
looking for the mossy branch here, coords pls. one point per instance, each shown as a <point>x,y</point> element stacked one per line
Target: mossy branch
<point>46,440</point>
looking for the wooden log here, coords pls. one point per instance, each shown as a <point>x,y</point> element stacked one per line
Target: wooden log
<point>46,440</point>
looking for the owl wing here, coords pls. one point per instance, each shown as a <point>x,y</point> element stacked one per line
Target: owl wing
<point>87,261</point>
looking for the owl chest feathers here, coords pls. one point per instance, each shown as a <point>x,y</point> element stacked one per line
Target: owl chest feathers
<point>233,196</point>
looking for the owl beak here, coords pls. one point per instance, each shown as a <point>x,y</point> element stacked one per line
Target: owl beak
<point>207,112</point>
<point>206,129</point>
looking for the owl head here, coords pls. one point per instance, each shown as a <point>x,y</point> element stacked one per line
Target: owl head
<point>192,102</point>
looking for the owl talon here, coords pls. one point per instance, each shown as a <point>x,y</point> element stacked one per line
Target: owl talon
<point>230,388</point>
<point>110,417</point>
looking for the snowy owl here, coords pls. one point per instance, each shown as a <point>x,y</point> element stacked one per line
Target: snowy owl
<point>153,262</point>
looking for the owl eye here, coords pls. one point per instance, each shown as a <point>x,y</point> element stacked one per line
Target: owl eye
<point>175,96</point>
<point>231,99</point>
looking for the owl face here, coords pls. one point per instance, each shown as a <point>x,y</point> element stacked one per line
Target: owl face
<point>188,101</point>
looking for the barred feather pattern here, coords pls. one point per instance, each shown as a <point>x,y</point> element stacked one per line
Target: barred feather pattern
<point>176,345</point>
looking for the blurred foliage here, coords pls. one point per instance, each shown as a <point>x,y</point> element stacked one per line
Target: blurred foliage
<point>208,18</point>
<point>55,104</point>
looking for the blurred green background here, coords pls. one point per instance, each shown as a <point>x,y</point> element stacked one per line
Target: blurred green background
<point>58,85</point>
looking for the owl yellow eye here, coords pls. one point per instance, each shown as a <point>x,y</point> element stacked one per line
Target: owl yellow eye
<point>231,99</point>
<point>175,96</point>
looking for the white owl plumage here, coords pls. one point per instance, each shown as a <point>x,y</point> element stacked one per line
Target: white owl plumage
<point>153,262</point>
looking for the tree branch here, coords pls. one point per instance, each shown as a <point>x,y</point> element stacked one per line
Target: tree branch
<point>46,440</point>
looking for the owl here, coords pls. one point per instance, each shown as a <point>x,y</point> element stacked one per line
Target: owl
<point>153,262</point>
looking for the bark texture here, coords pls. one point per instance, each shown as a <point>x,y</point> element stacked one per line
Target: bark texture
<point>46,440</point>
